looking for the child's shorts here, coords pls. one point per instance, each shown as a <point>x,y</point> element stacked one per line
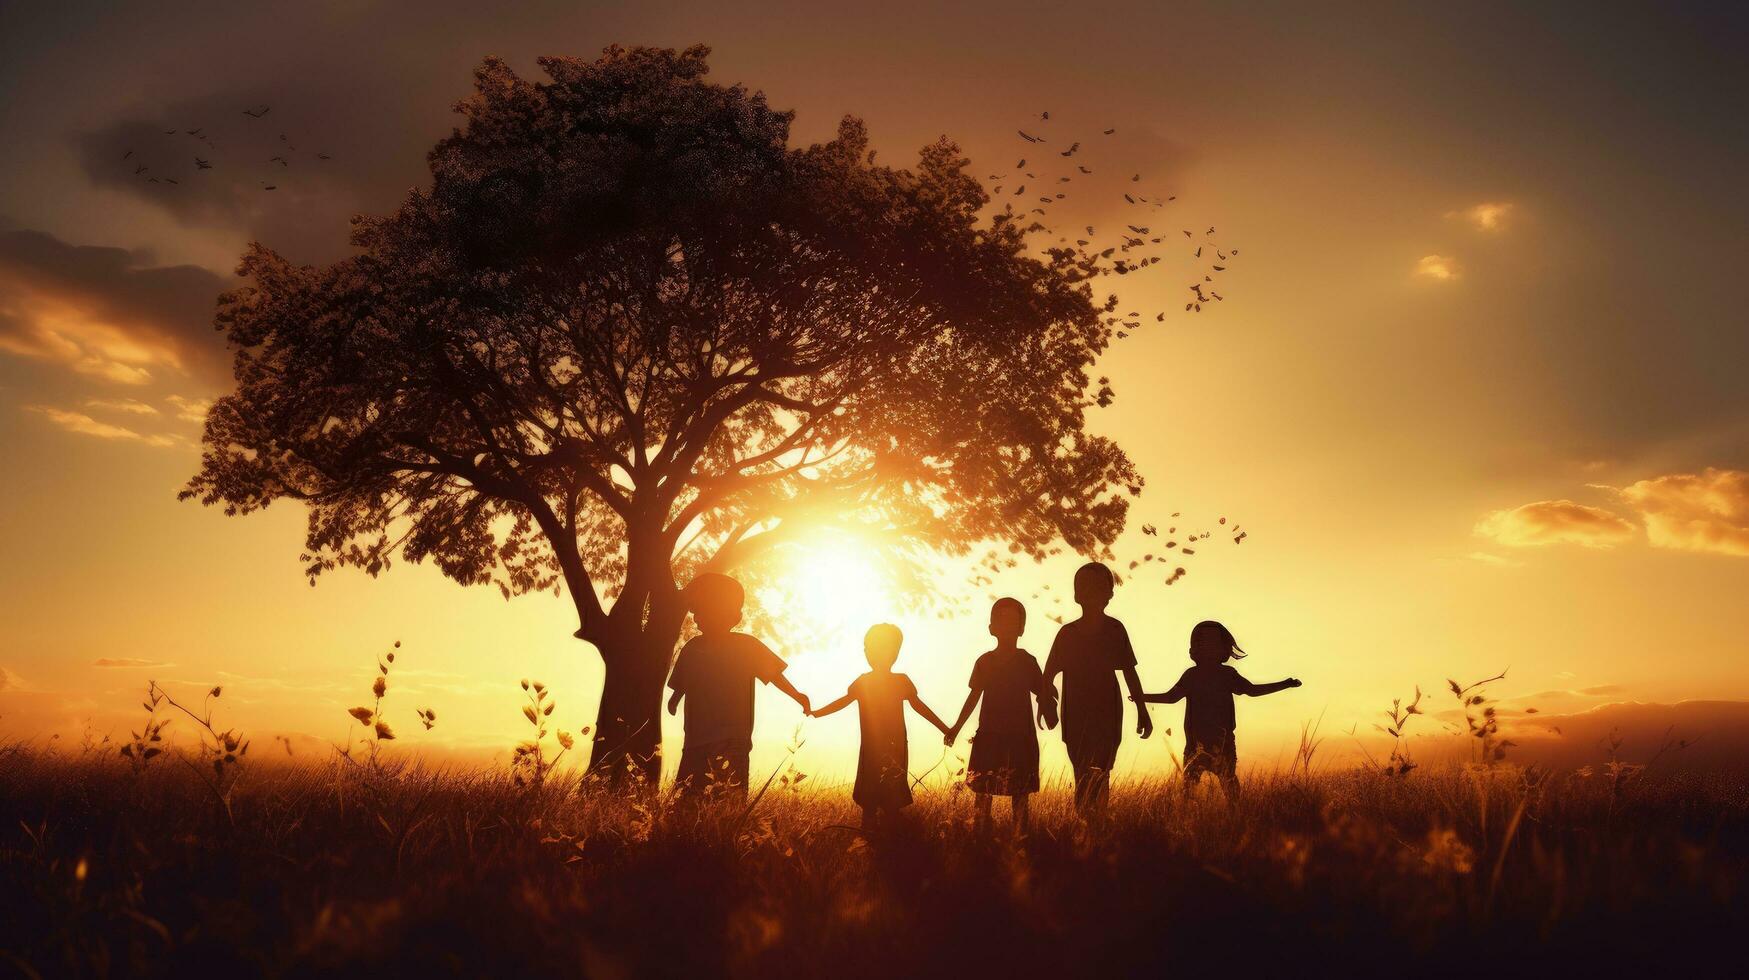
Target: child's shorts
<point>1219,756</point>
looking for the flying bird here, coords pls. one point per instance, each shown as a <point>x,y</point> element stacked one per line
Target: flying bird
<point>200,164</point>
<point>1029,137</point>
<point>1110,131</point>
<point>257,114</point>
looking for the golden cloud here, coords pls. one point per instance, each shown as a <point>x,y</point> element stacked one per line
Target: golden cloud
<point>85,425</point>
<point>1487,216</point>
<point>127,406</point>
<point>128,662</point>
<point>1441,268</point>
<point>190,409</point>
<point>1548,522</point>
<point>106,312</point>
<point>1705,511</point>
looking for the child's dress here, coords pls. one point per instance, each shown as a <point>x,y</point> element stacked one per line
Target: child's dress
<point>1005,750</point>
<point>883,777</point>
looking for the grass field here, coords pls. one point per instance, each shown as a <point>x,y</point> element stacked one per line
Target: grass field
<point>337,867</point>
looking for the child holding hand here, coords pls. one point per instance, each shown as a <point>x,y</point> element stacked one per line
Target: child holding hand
<point>1207,690</point>
<point>883,775</point>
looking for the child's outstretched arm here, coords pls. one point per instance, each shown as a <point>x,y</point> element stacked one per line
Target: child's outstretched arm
<point>838,705</point>
<point>1173,696</point>
<point>928,715</point>
<point>965,712</point>
<point>782,683</point>
<point>1259,690</point>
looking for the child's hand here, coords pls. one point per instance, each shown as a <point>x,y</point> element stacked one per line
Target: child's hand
<point>1293,682</point>
<point>950,735</point>
<point>807,706</point>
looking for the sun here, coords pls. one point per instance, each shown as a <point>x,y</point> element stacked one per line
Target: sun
<point>830,592</point>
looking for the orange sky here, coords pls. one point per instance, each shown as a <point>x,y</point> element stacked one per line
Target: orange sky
<point>1488,274</point>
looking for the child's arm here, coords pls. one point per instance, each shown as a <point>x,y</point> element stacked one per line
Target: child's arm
<point>1132,680</point>
<point>782,683</point>
<point>953,733</point>
<point>1259,690</point>
<point>838,705</point>
<point>928,715</point>
<point>1173,696</point>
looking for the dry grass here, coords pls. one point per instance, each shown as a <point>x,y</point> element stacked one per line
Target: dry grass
<point>337,867</point>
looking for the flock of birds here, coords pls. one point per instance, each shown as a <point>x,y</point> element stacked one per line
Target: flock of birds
<point>283,158</point>
<point>1044,175</point>
<point>1136,247</point>
<point>1169,542</point>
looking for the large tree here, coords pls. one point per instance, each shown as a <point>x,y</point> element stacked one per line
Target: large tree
<point>628,333</point>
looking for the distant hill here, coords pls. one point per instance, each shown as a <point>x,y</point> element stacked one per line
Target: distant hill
<point>1697,736</point>
<point>1692,735</point>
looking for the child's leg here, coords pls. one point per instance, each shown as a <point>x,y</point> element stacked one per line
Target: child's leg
<point>1098,789</point>
<point>981,811</point>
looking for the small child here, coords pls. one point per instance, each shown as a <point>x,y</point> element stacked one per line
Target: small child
<point>1005,751</point>
<point>1207,690</point>
<point>715,673</point>
<point>883,773</point>
<point>1089,653</point>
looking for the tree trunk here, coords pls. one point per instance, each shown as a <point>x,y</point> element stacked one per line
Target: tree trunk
<point>628,726</point>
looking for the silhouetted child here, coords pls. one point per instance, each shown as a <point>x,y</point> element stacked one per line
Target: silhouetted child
<point>1005,750</point>
<point>883,773</point>
<point>715,673</point>
<point>1089,653</point>
<point>1207,690</point>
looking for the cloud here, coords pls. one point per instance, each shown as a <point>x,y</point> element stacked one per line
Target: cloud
<point>85,425</point>
<point>1442,268</point>
<point>1487,216</point>
<point>190,409</point>
<point>11,682</point>
<point>126,406</point>
<point>107,312</point>
<point>1556,522</point>
<point>1489,558</point>
<point>128,662</point>
<point>1706,511</point>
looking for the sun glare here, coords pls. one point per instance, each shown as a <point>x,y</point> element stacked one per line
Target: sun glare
<point>834,591</point>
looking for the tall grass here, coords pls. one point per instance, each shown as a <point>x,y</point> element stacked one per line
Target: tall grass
<point>334,867</point>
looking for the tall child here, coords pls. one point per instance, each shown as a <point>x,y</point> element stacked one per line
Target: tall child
<point>715,673</point>
<point>1207,690</point>
<point>1004,758</point>
<point>1089,653</point>
<point>883,772</point>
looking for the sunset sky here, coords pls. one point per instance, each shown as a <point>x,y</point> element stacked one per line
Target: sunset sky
<point>1477,392</point>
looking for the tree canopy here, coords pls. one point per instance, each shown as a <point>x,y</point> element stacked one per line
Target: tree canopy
<point>628,333</point>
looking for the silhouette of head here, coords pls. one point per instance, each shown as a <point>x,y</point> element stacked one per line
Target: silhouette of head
<point>1007,619</point>
<point>1094,585</point>
<point>881,645</point>
<point>1211,644</point>
<point>715,601</point>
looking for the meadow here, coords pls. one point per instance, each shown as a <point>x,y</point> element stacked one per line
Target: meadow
<point>111,864</point>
